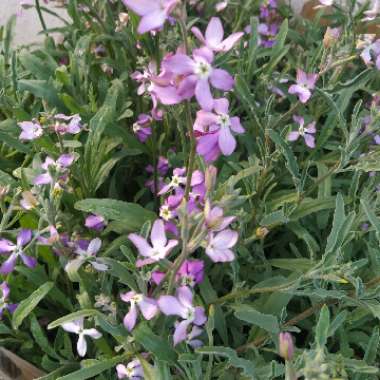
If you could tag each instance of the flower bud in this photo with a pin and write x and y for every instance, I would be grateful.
(261, 232)
(4, 190)
(286, 346)
(210, 177)
(331, 37)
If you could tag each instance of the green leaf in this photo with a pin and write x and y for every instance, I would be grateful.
(41, 89)
(311, 206)
(119, 270)
(40, 338)
(13, 142)
(246, 365)
(6, 179)
(322, 329)
(291, 161)
(131, 214)
(93, 370)
(27, 305)
(154, 344)
(70, 317)
(251, 315)
(374, 220)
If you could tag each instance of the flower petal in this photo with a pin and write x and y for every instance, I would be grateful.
(227, 142)
(293, 136)
(230, 41)
(200, 316)
(214, 32)
(6, 246)
(94, 246)
(9, 264)
(142, 7)
(24, 237)
(73, 326)
(221, 106)
(29, 261)
(180, 332)
(141, 244)
(130, 318)
(81, 346)
(225, 239)
(179, 64)
(148, 308)
(157, 235)
(93, 333)
(222, 80)
(203, 95)
(151, 21)
(309, 140)
(170, 305)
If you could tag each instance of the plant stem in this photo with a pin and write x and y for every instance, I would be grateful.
(189, 173)
(40, 16)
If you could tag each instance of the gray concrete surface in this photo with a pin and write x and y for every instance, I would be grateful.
(28, 24)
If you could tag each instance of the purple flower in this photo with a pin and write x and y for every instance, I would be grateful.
(219, 245)
(76, 327)
(62, 163)
(147, 306)
(159, 248)
(15, 251)
(30, 130)
(219, 123)
(95, 222)
(307, 133)
(213, 38)
(191, 272)
(192, 335)
(87, 255)
(73, 127)
(178, 179)
(182, 305)
(162, 166)
(133, 370)
(371, 54)
(286, 346)
(305, 83)
(215, 219)
(142, 127)
(198, 73)
(4, 294)
(154, 12)
(373, 12)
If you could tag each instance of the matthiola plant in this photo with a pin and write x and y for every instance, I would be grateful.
(190, 190)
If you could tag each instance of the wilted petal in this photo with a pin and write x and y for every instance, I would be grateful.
(222, 80)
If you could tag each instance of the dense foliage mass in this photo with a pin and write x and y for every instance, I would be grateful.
(189, 190)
